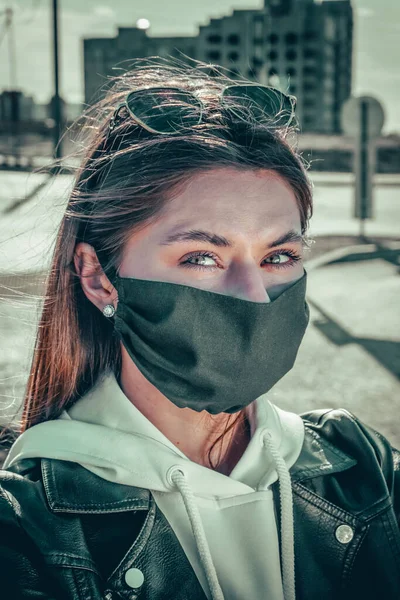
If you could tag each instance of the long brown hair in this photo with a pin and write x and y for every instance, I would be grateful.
(124, 181)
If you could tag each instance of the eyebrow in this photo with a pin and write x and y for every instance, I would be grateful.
(199, 235)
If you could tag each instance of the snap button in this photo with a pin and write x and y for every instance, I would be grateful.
(344, 534)
(134, 578)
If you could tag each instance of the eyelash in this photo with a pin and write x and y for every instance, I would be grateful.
(290, 263)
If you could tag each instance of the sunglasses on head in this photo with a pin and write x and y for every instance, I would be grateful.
(169, 110)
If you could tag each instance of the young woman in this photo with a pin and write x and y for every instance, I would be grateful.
(150, 463)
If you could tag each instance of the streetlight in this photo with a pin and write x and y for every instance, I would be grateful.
(57, 108)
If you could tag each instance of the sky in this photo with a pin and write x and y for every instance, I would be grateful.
(376, 58)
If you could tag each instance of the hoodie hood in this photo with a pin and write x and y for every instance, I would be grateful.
(105, 433)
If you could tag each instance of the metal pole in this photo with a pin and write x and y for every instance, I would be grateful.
(15, 107)
(11, 49)
(365, 171)
(56, 101)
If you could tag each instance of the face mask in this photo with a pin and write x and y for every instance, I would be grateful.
(208, 351)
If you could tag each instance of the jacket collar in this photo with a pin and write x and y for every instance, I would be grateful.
(319, 457)
(69, 487)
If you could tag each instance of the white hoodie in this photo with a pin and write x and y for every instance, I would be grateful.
(225, 524)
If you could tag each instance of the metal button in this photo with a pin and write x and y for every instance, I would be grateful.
(134, 578)
(344, 534)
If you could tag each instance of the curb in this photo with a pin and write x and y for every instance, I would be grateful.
(354, 253)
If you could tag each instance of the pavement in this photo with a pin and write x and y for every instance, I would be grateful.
(350, 354)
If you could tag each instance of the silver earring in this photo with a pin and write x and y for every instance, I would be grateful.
(109, 310)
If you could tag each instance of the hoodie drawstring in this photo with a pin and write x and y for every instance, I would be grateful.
(287, 535)
(177, 477)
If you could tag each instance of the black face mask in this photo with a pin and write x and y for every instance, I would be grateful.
(209, 351)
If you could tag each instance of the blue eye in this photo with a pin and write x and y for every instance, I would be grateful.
(294, 258)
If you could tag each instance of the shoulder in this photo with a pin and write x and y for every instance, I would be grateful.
(351, 435)
(18, 490)
(20, 562)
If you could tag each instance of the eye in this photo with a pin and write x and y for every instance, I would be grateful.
(276, 263)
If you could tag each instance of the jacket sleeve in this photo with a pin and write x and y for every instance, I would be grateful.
(389, 459)
(19, 563)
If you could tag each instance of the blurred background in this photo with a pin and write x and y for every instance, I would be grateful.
(340, 58)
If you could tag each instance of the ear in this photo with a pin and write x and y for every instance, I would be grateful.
(95, 283)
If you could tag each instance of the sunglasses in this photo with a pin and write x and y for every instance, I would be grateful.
(169, 110)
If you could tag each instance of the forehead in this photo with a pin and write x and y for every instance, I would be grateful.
(235, 204)
(230, 194)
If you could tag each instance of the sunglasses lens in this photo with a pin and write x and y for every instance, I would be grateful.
(264, 102)
(164, 110)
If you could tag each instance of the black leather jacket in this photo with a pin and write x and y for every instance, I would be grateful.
(67, 534)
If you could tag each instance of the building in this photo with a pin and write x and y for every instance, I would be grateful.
(108, 57)
(310, 49)
(236, 42)
(228, 42)
(18, 107)
(15, 106)
(304, 47)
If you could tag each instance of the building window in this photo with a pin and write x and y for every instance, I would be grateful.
(273, 71)
(291, 72)
(213, 72)
(233, 56)
(291, 38)
(257, 62)
(309, 103)
(310, 36)
(214, 38)
(310, 86)
(273, 55)
(309, 70)
(308, 120)
(250, 73)
(291, 55)
(233, 39)
(273, 38)
(213, 55)
(310, 53)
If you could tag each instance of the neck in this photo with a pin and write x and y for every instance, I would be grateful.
(192, 432)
